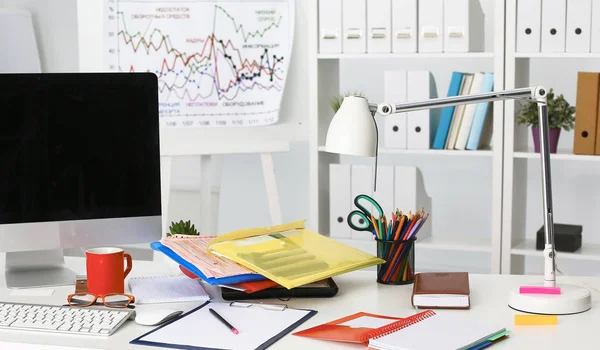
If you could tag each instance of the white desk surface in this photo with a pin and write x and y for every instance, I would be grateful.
(358, 291)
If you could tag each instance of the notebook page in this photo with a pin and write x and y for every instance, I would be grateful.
(450, 333)
(147, 290)
(255, 324)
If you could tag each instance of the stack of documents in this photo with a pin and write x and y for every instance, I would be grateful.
(288, 255)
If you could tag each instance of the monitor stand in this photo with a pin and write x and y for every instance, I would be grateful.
(37, 268)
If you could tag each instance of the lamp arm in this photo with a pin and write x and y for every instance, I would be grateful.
(535, 93)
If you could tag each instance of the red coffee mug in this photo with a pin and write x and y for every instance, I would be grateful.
(106, 270)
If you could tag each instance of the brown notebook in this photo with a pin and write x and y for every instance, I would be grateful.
(441, 290)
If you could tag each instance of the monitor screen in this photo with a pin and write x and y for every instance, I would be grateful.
(78, 146)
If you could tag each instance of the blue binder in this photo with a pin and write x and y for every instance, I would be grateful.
(249, 277)
(443, 129)
(480, 114)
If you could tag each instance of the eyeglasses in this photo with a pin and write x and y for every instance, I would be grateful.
(109, 300)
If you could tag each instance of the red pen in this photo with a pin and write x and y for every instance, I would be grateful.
(233, 329)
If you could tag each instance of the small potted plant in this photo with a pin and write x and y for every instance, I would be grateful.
(560, 115)
(182, 228)
(336, 101)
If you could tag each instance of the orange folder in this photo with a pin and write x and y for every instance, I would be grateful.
(352, 329)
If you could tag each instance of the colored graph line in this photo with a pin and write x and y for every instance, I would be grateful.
(204, 64)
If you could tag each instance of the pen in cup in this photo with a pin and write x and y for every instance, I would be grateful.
(233, 329)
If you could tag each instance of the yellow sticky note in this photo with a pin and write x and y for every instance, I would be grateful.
(535, 320)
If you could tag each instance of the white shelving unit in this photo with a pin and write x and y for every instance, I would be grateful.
(575, 186)
(327, 70)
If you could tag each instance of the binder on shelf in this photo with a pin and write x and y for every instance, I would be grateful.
(595, 32)
(584, 139)
(362, 183)
(529, 24)
(379, 26)
(463, 26)
(431, 24)
(404, 26)
(340, 202)
(354, 21)
(481, 129)
(418, 123)
(384, 194)
(330, 26)
(394, 134)
(459, 111)
(579, 17)
(446, 119)
(469, 113)
(554, 20)
(410, 194)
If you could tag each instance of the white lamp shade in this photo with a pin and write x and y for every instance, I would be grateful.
(352, 130)
(18, 43)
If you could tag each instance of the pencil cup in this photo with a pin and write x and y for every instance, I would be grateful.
(399, 266)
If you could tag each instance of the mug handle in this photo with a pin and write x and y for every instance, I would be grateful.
(129, 264)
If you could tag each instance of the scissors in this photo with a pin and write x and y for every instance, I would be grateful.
(360, 220)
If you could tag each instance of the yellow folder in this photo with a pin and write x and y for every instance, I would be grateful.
(289, 254)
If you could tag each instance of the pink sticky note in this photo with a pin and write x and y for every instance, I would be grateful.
(539, 290)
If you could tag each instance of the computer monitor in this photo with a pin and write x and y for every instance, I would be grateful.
(79, 167)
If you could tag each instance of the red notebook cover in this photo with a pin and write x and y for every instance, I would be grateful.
(356, 328)
(247, 287)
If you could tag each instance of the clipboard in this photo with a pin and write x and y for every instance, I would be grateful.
(271, 321)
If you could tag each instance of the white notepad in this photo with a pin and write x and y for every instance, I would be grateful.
(166, 289)
(259, 326)
(440, 331)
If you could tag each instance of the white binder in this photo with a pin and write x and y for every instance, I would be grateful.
(595, 47)
(579, 26)
(417, 122)
(379, 26)
(431, 24)
(410, 195)
(362, 183)
(404, 26)
(354, 20)
(330, 26)
(384, 193)
(529, 24)
(554, 20)
(340, 203)
(394, 125)
(463, 26)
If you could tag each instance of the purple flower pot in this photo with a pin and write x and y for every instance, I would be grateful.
(554, 135)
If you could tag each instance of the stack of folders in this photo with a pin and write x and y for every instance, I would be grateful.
(286, 255)
(469, 126)
(587, 123)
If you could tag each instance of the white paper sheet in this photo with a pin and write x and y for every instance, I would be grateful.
(255, 324)
(368, 322)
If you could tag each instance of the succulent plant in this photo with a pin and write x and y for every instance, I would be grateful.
(182, 228)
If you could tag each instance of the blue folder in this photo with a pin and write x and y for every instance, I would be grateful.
(443, 128)
(249, 277)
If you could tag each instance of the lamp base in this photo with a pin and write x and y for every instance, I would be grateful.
(572, 300)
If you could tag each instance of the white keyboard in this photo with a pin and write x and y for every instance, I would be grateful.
(61, 319)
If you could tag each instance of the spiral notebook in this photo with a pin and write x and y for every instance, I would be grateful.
(428, 330)
(166, 289)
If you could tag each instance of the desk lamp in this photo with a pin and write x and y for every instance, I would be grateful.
(353, 131)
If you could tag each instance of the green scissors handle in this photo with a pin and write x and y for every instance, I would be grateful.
(360, 220)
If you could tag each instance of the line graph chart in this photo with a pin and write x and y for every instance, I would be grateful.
(219, 63)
